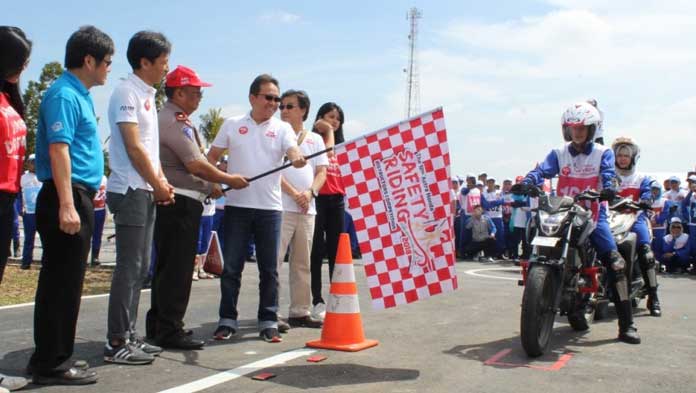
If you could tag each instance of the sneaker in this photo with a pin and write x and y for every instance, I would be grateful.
(126, 354)
(73, 376)
(195, 275)
(139, 343)
(283, 326)
(319, 312)
(12, 383)
(270, 335)
(224, 333)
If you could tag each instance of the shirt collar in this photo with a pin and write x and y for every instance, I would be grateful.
(586, 151)
(75, 82)
(173, 106)
(139, 83)
(252, 121)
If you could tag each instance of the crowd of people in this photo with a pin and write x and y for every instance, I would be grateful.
(160, 180)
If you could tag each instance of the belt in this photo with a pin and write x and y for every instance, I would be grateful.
(197, 195)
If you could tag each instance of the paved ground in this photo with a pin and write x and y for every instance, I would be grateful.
(442, 344)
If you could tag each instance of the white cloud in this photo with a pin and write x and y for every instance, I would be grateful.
(279, 17)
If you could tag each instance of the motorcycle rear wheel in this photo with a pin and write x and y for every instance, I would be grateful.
(538, 314)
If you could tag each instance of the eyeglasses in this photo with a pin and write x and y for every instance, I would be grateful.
(269, 97)
(288, 107)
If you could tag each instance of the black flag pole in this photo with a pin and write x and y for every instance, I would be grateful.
(280, 168)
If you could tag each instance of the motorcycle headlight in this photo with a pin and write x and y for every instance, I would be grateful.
(551, 223)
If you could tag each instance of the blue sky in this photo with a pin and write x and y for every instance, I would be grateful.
(504, 71)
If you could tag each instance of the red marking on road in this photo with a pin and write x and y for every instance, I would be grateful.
(495, 361)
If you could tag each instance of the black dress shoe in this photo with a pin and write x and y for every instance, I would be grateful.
(182, 342)
(72, 376)
(306, 321)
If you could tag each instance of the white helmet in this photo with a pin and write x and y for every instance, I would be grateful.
(580, 114)
(623, 142)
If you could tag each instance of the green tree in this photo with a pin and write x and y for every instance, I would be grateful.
(160, 97)
(211, 123)
(32, 99)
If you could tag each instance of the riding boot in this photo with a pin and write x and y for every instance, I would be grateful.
(654, 303)
(628, 332)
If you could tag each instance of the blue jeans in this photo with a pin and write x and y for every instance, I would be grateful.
(240, 224)
(29, 220)
(204, 234)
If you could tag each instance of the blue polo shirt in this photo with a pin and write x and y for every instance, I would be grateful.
(66, 115)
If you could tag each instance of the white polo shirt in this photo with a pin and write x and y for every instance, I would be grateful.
(133, 101)
(302, 178)
(254, 149)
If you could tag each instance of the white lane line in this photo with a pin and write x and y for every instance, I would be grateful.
(226, 376)
(83, 298)
(475, 272)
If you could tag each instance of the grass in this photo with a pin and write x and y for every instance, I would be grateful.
(19, 286)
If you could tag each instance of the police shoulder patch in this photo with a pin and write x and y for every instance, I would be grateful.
(188, 131)
(181, 116)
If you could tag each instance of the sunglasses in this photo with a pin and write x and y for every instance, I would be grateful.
(288, 107)
(269, 97)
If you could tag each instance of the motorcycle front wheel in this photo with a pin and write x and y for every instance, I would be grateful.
(538, 314)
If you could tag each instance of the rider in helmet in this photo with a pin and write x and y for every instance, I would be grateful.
(599, 132)
(638, 187)
(582, 164)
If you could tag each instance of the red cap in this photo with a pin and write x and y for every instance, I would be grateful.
(184, 76)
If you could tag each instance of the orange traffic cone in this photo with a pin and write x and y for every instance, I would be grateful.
(343, 329)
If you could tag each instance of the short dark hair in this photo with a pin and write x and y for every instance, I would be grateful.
(15, 49)
(147, 44)
(169, 91)
(262, 79)
(302, 100)
(88, 40)
(328, 107)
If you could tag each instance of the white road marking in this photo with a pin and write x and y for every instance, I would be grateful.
(83, 298)
(475, 272)
(225, 376)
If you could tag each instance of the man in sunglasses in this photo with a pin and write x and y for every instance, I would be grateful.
(256, 142)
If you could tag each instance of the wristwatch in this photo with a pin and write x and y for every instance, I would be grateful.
(314, 193)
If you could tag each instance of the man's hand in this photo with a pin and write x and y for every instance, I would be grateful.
(217, 192)
(299, 162)
(303, 200)
(68, 219)
(237, 182)
(668, 255)
(163, 192)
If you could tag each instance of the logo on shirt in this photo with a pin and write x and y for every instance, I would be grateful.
(243, 130)
(57, 126)
(147, 105)
(126, 108)
(188, 131)
(565, 171)
(271, 134)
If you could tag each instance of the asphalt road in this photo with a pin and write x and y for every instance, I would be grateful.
(465, 341)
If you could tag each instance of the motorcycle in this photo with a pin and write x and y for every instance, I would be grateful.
(563, 274)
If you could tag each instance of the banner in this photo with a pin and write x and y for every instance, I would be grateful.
(398, 190)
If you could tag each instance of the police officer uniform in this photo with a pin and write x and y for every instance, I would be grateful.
(177, 225)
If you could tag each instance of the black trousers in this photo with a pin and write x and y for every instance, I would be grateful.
(176, 240)
(327, 228)
(6, 215)
(488, 247)
(60, 281)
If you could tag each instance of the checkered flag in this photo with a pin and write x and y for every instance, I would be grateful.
(397, 183)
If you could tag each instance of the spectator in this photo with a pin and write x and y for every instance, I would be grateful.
(469, 196)
(218, 218)
(206, 227)
(674, 193)
(70, 163)
(482, 235)
(657, 220)
(30, 190)
(676, 252)
(256, 142)
(15, 49)
(300, 187)
(330, 204)
(688, 209)
(492, 203)
(518, 223)
(177, 225)
(99, 203)
(506, 194)
(136, 182)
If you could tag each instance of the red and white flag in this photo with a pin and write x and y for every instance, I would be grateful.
(397, 183)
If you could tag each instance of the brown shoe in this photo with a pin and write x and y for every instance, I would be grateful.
(305, 321)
